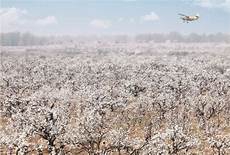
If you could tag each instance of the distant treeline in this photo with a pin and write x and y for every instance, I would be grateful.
(22, 39)
(177, 37)
(28, 39)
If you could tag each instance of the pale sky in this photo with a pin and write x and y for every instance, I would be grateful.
(84, 17)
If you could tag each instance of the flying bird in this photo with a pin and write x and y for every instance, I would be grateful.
(187, 18)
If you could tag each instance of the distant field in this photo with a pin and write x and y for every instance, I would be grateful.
(106, 98)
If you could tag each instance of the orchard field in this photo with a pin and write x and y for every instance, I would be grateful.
(104, 98)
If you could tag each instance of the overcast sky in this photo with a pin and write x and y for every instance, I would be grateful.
(113, 16)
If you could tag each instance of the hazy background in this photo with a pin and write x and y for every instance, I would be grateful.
(26, 22)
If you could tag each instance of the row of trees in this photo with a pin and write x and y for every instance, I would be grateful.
(27, 39)
(177, 37)
(21, 39)
(118, 103)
